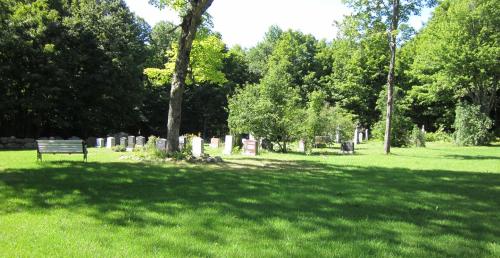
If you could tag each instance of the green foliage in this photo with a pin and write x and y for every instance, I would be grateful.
(206, 62)
(471, 126)
(119, 148)
(417, 137)
(149, 152)
(440, 135)
(455, 58)
(269, 109)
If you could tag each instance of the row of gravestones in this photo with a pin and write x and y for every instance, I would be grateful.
(129, 142)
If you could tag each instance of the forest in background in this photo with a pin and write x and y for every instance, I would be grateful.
(90, 68)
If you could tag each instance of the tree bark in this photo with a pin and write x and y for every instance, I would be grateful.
(390, 76)
(190, 22)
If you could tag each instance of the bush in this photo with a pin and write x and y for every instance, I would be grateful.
(149, 151)
(438, 136)
(119, 148)
(471, 126)
(417, 137)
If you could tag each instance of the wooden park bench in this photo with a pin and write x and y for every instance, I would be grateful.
(61, 147)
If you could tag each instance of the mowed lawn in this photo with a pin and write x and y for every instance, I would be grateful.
(439, 201)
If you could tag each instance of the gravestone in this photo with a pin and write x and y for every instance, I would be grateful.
(423, 128)
(123, 142)
(197, 147)
(110, 142)
(337, 135)
(250, 147)
(214, 143)
(360, 137)
(302, 146)
(228, 145)
(140, 140)
(182, 142)
(130, 143)
(99, 143)
(347, 147)
(161, 144)
(366, 135)
(356, 135)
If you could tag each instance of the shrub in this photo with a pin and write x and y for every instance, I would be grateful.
(417, 137)
(471, 126)
(149, 151)
(438, 136)
(119, 148)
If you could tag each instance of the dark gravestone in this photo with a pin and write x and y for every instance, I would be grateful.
(161, 144)
(140, 140)
(182, 142)
(347, 147)
(123, 142)
(91, 141)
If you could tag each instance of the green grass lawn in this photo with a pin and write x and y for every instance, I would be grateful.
(439, 201)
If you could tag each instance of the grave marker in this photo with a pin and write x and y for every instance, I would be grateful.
(250, 147)
(99, 143)
(139, 141)
(197, 147)
(214, 143)
(302, 146)
(123, 142)
(228, 145)
(130, 143)
(110, 142)
(161, 144)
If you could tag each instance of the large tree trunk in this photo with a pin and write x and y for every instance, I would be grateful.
(390, 76)
(190, 22)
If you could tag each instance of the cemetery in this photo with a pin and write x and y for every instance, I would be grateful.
(124, 133)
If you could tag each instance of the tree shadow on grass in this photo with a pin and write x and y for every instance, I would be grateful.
(348, 202)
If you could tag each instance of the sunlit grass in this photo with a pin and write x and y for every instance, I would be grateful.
(431, 202)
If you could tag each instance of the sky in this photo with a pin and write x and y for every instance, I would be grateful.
(245, 22)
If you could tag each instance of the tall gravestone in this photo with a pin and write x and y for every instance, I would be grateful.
(140, 140)
(197, 147)
(337, 135)
(250, 147)
(161, 144)
(99, 143)
(302, 146)
(110, 142)
(123, 142)
(130, 143)
(356, 136)
(214, 143)
(366, 135)
(228, 145)
(360, 137)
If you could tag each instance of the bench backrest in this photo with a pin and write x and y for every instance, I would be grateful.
(61, 146)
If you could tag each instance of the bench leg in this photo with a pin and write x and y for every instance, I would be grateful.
(38, 156)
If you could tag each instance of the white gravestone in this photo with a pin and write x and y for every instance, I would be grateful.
(366, 135)
(360, 137)
(140, 141)
(302, 146)
(110, 142)
(228, 145)
(100, 143)
(356, 136)
(182, 142)
(337, 135)
(197, 145)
